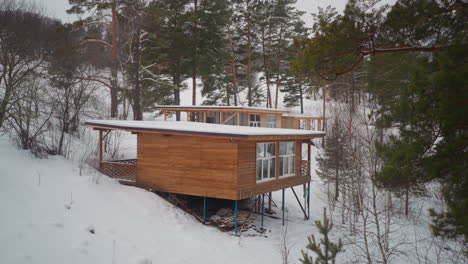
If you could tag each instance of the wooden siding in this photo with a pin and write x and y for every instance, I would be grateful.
(191, 165)
(247, 183)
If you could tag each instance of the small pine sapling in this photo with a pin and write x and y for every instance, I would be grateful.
(325, 250)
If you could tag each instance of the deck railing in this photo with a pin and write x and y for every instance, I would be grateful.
(305, 168)
(124, 170)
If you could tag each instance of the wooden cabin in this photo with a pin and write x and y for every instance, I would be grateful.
(244, 116)
(210, 160)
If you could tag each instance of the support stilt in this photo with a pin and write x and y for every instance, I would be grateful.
(299, 202)
(282, 206)
(269, 202)
(263, 209)
(204, 210)
(235, 215)
(308, 200)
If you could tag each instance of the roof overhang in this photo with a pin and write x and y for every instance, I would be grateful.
(205, 130)
(215, 108)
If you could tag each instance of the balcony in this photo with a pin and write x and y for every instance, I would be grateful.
(123, 170)
(305, 168)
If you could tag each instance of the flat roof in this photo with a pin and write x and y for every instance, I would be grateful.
(220, 107)
(304, 116)
(197, 128)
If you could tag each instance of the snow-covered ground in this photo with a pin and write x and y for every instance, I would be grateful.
(48, 211)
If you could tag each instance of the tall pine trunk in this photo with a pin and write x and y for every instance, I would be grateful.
(301, 97)
(114, 66)
(137, 111)
(278, 66)
(249, 66)
(195, 55)
(233, 69)
(265, 66)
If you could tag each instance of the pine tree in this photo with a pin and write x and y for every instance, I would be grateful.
(166, 48)
(429, 110)
(285, 19)
(97, 10)
(325, 249)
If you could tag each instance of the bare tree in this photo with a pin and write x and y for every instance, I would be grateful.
(30, 115)
(21, 40)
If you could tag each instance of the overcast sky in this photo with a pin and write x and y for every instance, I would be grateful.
(56, 8)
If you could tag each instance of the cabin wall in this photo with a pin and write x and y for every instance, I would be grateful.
(247, 162)
(287, 122)
(201, 166)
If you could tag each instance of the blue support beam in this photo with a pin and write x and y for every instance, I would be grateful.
(282, 206)
(263, 209)
(204, 210)
(308, 200)
(235, 216)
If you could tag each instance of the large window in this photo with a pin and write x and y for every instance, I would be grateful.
(266, 161)
(271, 120)
(286, 158)
(254, 120)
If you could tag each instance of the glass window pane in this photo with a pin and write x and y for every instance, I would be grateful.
(293, 165)
(271, 150)
(272, 168)
(291, 147)
(265, 169)
(281, 166)
(260, 147)
(259, 170)
(282, 148)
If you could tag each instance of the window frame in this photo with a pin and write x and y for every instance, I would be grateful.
(257, 123)
(288, 159)
(270, 123)
(271, 161)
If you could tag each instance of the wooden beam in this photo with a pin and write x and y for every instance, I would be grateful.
(100, 149)
(221, 118)
(108, 131)
(229, 118)
(298, 201)
(263, 121)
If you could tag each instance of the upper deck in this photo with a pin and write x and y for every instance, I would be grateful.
(245, 116)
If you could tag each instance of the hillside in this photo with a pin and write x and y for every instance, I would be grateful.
(50, 211)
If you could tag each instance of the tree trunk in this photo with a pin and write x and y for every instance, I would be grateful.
(114, 69)
(138, 113)
(278, 66)
(194, 63)
(323, 114)
(265, 67)
(176, 95)
(301, 97)
(233, 69)
(249, 67)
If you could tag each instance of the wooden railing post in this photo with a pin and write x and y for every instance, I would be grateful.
(100, 149)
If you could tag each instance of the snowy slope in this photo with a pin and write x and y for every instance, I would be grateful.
(48, 211)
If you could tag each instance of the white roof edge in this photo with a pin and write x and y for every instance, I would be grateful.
(221, 107)
(202, 128)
